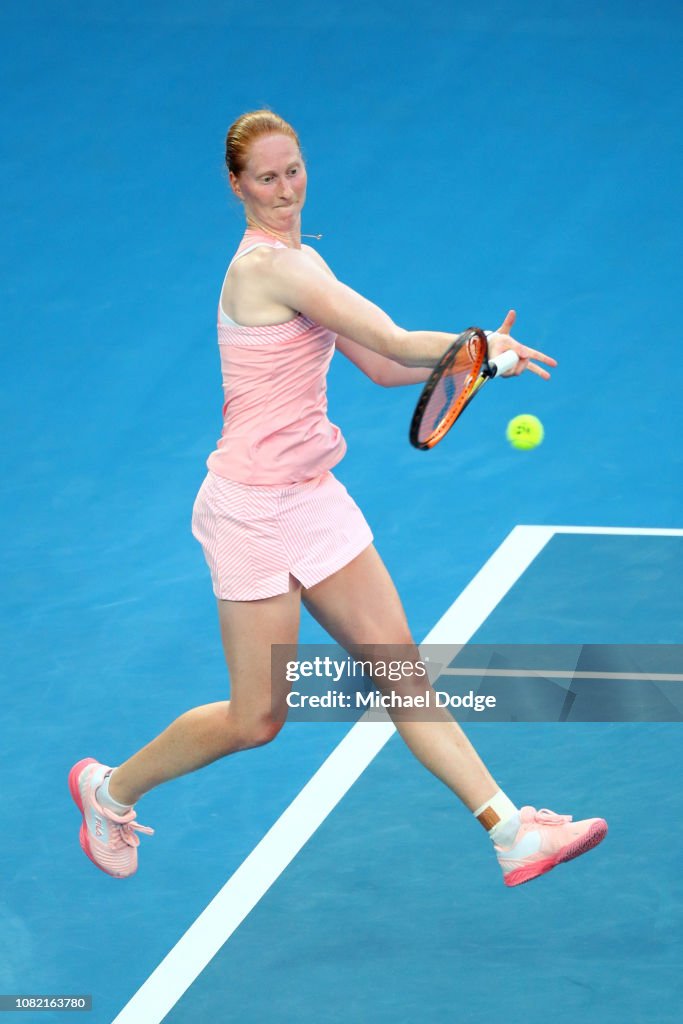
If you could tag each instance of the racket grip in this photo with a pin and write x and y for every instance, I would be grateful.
(504, 362)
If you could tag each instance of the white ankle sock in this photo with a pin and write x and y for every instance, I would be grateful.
(106, 800)
(504, 833)
(500, 818)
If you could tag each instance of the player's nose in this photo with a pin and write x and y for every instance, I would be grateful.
(287, 193)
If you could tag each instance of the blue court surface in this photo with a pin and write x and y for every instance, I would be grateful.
(462, 161)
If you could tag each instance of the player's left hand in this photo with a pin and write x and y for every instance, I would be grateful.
(501, 340)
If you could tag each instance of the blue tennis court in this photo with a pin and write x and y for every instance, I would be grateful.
(461, 162)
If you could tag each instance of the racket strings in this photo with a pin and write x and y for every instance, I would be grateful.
(442, 399)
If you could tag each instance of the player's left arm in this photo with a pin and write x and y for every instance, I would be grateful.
(380, 369)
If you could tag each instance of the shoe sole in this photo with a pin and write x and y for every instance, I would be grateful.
(83, 836)
(593, 837)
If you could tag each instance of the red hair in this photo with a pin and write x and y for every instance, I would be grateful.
(246, 129)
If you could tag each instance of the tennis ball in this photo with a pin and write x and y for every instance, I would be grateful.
(524, 431)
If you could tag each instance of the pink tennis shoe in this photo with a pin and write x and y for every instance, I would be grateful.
(109, 840)
(544, 840)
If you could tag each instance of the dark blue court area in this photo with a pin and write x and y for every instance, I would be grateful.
(462, 160)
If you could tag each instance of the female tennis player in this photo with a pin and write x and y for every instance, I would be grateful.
(278, 529)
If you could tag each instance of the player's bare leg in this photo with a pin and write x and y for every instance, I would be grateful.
(360, 608)
(204, 734)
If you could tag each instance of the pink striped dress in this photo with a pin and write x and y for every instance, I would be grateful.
(269, 507)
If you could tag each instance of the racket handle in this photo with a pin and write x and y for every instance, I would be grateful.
(504, 362)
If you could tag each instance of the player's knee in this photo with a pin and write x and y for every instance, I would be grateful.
(259, 731)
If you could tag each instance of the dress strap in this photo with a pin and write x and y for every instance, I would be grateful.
(255, 245)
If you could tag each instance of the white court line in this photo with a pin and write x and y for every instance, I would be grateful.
(618, 531)
(547, 673)
(503, 569)
(257, 873)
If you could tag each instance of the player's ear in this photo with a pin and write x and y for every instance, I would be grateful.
(235, 185)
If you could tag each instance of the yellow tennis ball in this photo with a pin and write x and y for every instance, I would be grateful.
(524, 431)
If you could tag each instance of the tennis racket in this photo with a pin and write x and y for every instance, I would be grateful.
(460, 373)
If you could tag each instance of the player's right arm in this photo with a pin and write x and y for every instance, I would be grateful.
(295, 281)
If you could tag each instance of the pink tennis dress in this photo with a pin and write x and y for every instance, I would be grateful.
(269, 506)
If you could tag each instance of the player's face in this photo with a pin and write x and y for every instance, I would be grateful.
(273, 183)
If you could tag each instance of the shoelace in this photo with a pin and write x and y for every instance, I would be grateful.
(127, 826)
(130, 828)
(546, 817)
